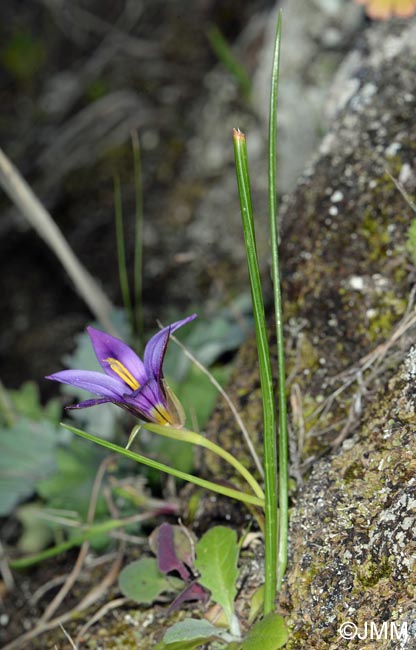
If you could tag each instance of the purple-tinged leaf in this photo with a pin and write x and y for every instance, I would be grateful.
(191, 593)
(167, 558)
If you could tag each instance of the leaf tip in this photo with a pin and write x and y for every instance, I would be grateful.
(238, 135)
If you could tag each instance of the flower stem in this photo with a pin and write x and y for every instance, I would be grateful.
(270, 478)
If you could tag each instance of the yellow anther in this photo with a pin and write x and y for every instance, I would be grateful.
(161, 415)
(123, 373)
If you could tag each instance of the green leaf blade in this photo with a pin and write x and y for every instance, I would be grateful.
(268, 634)
(216, 560)
(193, 630)
(27, 454)
(143, 582)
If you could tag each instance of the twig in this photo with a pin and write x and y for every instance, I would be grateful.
(43, 589)
(25, 200)
(5, 572)
(68, 637)
(402, 191)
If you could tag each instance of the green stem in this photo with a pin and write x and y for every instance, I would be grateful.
(270, 478)
(87, 534)
(197, 439)
(274, 238)
(190, 478)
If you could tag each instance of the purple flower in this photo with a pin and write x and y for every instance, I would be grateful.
(135, 385)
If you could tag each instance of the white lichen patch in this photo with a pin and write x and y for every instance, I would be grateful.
(337, 196)
(410, 363)
(357, 283)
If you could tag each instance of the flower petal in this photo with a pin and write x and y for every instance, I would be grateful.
(91, 402)
(94, 382)
(117, 359)
(156, 348)
(149, 403)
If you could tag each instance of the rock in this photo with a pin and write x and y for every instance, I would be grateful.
(353, 533)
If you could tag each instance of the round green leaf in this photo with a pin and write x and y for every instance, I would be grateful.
(143, 582)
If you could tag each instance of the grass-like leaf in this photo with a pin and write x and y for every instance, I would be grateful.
(138, 239)
(121, 251)
(149, 462)
(274, 242)
(270, 461)
(198, 440)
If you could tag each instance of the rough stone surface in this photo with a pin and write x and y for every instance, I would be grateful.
(353, 534)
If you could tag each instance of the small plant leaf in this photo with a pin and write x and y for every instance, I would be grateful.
(411, 240)
(216, 560)
(26, 401)
(180, 645)
(268, 634)
(193, 629)
(142, 581)
(37, 533)
(256, 604)
(167, 557)
(27, 454)
(69, 486)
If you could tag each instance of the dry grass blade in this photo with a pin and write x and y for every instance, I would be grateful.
(75, 647)
(25, 200)
(108, 607)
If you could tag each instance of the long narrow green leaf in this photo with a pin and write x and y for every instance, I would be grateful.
(274, 239)
(138, 239)
(270, 474)
(190, 478)
(121, 251)
(197, 439)
(225, 54)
